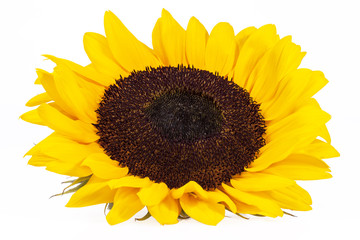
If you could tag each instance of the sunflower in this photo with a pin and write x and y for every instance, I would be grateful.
(200, 124)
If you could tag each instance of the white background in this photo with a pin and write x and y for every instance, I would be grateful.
(327, 30)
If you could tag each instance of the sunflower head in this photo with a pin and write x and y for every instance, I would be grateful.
(200, 124)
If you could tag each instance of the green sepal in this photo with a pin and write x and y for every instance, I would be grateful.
(147, 215)
(79, 182)
(183, 215)
(108, 206)
(289, 214)
(238, 214)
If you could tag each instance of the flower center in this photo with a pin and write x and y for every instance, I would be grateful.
(184, 116)
(180, 124)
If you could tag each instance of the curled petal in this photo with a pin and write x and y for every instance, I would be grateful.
(190, 187)
(167, 211)
(201, 210)
(153, 194)
(126, 204)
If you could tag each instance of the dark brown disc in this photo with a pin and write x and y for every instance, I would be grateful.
(180, 124)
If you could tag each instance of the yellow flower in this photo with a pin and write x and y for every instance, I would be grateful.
(200, 124)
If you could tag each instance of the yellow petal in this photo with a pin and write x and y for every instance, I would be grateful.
(243, 35)
(66, 169)
(291, 133)
(60, 167)
(300, 193)
(218, 196)
(240, 39)
(289, 201)
(98, 51)
(252, 50)
(62, 148)
(190, 187)
(321, 150)
(324, 133)
(96, 191)
(268, 206)
(40, 160)
(81, 96)
(62, 155)
(129, 52)
(168, 40)
(57, 107)
(48, 82)
(104, 167)
(249, 209)
(167, 211)
(38, 99)
(316, 82)
(300, 167)
(153, 194)
(294, 198)
(259, 182)
(86, 72)
(308, 114)
(74, 129)
(289, 91)
(295, 88)
(32, 117)
(126, 205)
(221, 49)
(39, 75)
(196, 39)
(129, 181)
(201, 210)
(282, 59)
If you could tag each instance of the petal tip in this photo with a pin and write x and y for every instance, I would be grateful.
(165, 13)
